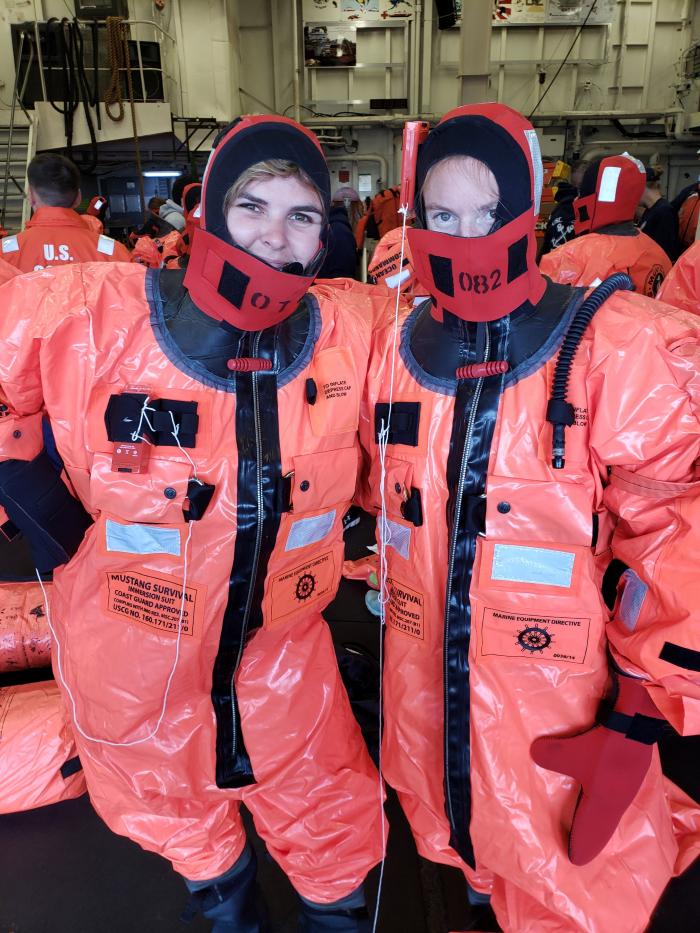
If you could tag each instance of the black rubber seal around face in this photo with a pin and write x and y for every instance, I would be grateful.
(161, 299)
(482, 139)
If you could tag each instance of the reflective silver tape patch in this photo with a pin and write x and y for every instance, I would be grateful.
(536, 156)
(105, 245)
(396, 536)
(309, 530)
(142, 539)
(633, 596)
(532, 565)
(392, 281)
(9, 244)
(608, 183)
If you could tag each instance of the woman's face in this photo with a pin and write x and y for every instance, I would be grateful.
(278, 220)
(460, 197)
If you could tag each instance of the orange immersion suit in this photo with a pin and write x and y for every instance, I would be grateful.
(681, 288)
(38, 757)
(540, 467)
(537, 654)
(688, 219)
(145, 664)
(55, 236)
(155, 252)
(39, 762)
(24, 633)
(384, 267)
(589, 259)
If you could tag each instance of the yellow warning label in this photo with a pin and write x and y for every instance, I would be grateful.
(404, 609)
(155, 601)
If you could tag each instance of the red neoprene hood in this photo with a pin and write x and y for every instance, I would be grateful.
(228, 282)
(97, 206)
(191, 196)
(483, 278)
(610, 192)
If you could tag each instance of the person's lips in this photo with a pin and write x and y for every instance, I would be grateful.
(275, 263)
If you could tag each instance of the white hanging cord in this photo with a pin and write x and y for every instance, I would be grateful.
(384, 539)
(59, 661)
(136, 435)
(175, 431)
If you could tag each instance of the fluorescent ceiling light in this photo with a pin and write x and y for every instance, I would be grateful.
(163, 173)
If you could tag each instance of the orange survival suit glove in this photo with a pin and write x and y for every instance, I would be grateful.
(610, 760)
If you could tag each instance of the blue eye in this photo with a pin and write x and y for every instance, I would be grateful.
(303, 218)
(443, 217)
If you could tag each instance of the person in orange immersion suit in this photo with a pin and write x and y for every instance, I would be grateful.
(681, 288)
(56, 234)
(96, 212)
(388, 267)
(530, 460)
(208, 422)
(604, 211)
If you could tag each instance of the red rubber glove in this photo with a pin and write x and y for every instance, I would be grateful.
(610, 761)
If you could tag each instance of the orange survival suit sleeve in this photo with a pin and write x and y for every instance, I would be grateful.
(681, 287)
(561, 265)
(655, 502)
(31, 491)
(34, 306)
(21, 393)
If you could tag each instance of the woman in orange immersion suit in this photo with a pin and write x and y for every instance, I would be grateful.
(542, 507)
(207, 421)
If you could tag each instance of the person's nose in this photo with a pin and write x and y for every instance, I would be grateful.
(274, 234)
(470, 225)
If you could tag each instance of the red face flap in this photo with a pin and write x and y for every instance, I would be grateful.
(584, 209)
(482, 278)
(233, 286)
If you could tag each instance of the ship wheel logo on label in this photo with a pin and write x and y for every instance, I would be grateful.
(306, 584)
(533, 638)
